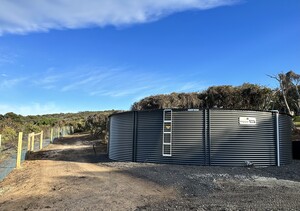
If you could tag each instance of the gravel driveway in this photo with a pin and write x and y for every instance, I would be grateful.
(75, 173)
(220, 188)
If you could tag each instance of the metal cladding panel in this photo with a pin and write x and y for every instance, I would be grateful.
(285, 139)
(232, 143)
(188, 138)
(121, 137)
(205, 137)
(149, 136)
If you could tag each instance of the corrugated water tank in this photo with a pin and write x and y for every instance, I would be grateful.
(201, 137)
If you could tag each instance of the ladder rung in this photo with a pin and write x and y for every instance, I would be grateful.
(167, 155)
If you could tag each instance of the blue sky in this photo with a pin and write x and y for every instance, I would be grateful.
(69, 56)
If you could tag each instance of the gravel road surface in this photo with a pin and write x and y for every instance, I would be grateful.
(74, 173)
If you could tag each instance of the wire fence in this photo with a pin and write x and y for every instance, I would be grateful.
(12, 155)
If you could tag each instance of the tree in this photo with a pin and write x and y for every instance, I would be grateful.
(97, 124)
(246, 96)
(294, 80)
(254, 97)
(289, 82)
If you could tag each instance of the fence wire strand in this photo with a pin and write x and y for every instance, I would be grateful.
(8, 151)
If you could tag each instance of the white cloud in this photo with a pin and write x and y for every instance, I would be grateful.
(6, 57)
(47, 82)
(188, 86)
(97, 83)
(117, 82)
(34, 15)
(88, 80)
(121, 92)
(10, 83)
(32, 109)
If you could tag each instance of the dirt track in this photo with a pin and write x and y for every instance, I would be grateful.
(68, 175)
(61, 178)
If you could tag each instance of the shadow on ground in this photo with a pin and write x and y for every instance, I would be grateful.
(80, 148)
(77, 139)
(194, 188)
(85, 155)
(126, 184)
(83, 148)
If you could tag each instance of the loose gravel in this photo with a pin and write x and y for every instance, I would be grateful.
(75, 173)
(220, 188)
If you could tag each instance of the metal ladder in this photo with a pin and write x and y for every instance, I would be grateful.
(167, 133)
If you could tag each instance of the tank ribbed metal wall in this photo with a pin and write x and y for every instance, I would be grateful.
(121, 137)
(149, 136)
(232, 143)
(285, 138)
(205, 137)
(187, 141)
(188, 137)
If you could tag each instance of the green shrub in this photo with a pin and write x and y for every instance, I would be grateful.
(9, 135)
(296, 119)
(29, 128)
(297, 124)
(97, 125)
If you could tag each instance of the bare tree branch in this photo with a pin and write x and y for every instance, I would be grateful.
(283, 84)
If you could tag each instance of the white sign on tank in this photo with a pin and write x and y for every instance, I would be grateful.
(247, 121)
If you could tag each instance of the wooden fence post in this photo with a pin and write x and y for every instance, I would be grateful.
(28, 141)
(41, 140)
(32, 141)
(19, 152)
(51, 135)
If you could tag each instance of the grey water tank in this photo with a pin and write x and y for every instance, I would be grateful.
(201, 137)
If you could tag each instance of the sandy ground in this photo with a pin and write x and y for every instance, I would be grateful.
(64, 176)
(73, 175)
